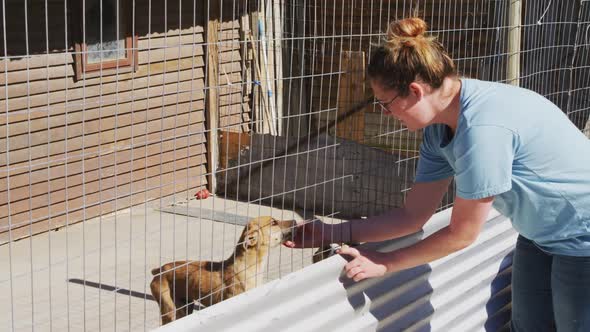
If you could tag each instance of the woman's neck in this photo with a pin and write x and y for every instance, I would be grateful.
(447, 102)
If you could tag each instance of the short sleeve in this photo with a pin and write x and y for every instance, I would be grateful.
(484, 158)
(432, 165)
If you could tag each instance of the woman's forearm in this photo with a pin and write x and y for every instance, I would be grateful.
(467, 220)
(437, 245)
(392, 224)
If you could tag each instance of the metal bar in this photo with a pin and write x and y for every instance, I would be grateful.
(513, 70)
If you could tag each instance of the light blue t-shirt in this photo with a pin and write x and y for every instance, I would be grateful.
(514, 144)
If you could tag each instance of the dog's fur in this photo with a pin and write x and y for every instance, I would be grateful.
(178, 284)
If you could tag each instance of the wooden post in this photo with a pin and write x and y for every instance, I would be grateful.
(514, 33)
(212, 95)
(296, 119)
(247, 72)
(277, 47)
(257, 111)
(350, 92)
(265, 77)
(264, 121)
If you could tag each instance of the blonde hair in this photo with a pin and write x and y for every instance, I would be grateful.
(407, 54)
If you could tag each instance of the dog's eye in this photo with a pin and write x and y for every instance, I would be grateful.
(274, 222)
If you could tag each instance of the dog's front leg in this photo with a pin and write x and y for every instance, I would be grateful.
(161, 293)
(183, 308)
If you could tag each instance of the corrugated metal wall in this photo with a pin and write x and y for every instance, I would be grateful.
(426, 298)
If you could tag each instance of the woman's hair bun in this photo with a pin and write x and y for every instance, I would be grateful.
(409, 27)
(402, 32)
(409, 53)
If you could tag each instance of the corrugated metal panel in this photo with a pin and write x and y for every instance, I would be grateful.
(469, 290)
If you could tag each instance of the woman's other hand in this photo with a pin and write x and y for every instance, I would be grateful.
(363, 264)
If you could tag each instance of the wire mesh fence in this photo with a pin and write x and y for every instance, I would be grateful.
(137, 133)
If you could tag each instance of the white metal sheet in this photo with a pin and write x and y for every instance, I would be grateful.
(468, 290)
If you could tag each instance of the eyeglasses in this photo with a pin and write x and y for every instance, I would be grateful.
(386, 105)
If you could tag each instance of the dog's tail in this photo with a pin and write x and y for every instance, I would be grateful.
(161, 269)
(167, 267)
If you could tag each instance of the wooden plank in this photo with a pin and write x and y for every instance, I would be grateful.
(264, 111)
(108, 166)
(62, 76)
(265, 61)
(66, 58)
(250, 35)
(123, 124)
(101, 94)
(237, 122)
(169, 53)
(81, 214)
(514, 35)
(109, 84)
(149, 94)
(277, 54)
(89, 128)
(35, 121)
(211, 111)
(19, 160)
(100, 142)
(58, 124)
(231, 75)
(37, 60)
(231, 109)
(170, 40)
(158, 74)
(82, 113)
(76, 164)
(246, 53)
(351, 92)
(111, 91)
(95, 181)
(80, 192)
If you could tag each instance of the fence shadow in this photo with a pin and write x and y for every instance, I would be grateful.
(111, 288)
(498, 307)
(403, 300)
(407, 307)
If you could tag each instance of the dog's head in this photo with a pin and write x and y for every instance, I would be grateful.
(267, 231)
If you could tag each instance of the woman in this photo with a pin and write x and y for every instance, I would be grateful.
(506, 147)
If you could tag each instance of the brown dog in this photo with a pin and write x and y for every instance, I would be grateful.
(177, 285)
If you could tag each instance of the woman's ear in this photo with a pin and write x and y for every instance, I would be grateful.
(417, 90)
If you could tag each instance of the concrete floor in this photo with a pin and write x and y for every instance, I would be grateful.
(94, 276)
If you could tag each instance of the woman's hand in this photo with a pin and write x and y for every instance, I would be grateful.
(364, 264)
(309, 234)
